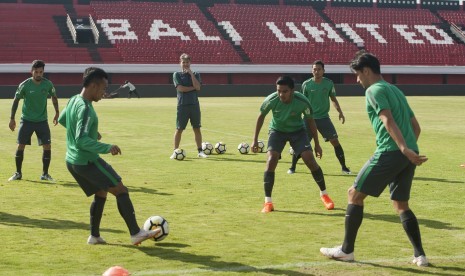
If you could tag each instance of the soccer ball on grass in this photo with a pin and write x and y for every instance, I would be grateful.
(155, 222)
(220, 147)
(179, 154)
(243, 148)
(207, 148)
(261, 146)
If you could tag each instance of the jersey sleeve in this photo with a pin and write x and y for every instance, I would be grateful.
(83, 140)
(197, 76)
(20, 91)
(332, 90)
(265, 107)
(51, 90)
(376, 97)
(308, 111)
(176, 80)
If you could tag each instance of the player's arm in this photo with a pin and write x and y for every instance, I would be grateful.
(83, 139)
(57, 111)
(195, 82)
(311, 126)
(14, 107)
(415, 126)
(385, 116)
(338, 108)
(258, 127)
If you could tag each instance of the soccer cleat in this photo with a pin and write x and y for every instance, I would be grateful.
(95, 240)
(291, 171)
(202, 154)
(337, 254)
(329, 204)
(173, 156)
(46, 177)
(267, 207)
(346, 170)
(420, 260)
(144, 235)
(15, 176)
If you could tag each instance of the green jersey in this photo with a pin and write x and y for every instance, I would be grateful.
(185, 79)
(318, 94)
(35, 99)
(287, 117)
(81, 123)
(383, 95)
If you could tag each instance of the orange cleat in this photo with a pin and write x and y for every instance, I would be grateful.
(268, 207)
(329, 204)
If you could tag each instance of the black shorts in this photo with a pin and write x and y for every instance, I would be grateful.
(94, 177)
(325, 128)
(386, 168)
(27, 128)
(299, 141)
(186, 113)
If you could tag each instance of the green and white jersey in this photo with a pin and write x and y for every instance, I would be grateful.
(81, 123)
(35, 99)
(318, 94)
(287, 117)
(383, 95)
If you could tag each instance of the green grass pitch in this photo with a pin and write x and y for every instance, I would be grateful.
(213, 205)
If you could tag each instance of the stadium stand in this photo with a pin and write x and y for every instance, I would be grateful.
(238, 32)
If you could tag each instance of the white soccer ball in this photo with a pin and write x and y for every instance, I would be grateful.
(207, 148)
(291, 151)
(179, 154)
(261, 146)
(243, 148)
(220, 147)
(155, 222)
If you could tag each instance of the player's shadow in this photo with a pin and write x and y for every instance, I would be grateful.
(229, 159)
(442, 180)
(435, 224)
(48, 223)
(170, 251)
(421, 271)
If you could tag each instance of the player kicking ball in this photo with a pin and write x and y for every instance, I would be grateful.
(92, 173)
(287, 125)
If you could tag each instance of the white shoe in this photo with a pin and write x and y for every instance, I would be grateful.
(15, 176)
(47, 177)
(337, 254)
(290, 171)
(95, 240)
(346, 170)
(420, 260)
(202, 154)
(173, 156)
(144, 235)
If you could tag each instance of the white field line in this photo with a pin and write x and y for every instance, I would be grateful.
(287, 266)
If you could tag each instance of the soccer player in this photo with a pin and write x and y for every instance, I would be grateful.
(287, 125)
(132, 89)
(319, 90)
(393, 163)
(187, 83)
(92, 173)
(35, 91)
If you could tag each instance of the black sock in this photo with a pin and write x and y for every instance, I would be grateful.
(199, 149)
(319, 178)
(340, 155)
(268, 180)
(19, 160)
(410, 224)
(46, 158)
(126, 210)
(96, 212)
(295, 158)
(354, 217)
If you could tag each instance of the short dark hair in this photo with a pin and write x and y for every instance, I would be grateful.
(364, 59)
(319, 62)
(285, 80)
(93, 74)
(38, 64)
